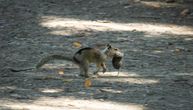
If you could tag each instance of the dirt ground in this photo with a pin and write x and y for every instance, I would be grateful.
(156, 37)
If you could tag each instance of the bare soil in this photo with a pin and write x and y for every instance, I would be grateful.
(156, 37)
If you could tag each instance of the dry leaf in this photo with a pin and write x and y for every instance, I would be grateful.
(177, 50)
(87, 83)
(61, 72)
(77, 44)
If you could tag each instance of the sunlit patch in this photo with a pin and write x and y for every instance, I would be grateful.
(126, 77)
(121, 74)
(188, 39)
(61, 32)
(58, 24)
(158, 51)
(152, 4)
(111, 90)
(153, 34)
(158, 4)
(65, 103)
(7, 87)
(51, 90)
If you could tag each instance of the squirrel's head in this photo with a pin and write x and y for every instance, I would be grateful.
(112, 51)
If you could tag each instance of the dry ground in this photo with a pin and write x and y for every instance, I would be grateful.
(156, 37)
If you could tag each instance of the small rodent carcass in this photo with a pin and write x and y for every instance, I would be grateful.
(117, 62)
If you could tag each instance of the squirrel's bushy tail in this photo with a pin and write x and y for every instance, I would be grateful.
(52, 57)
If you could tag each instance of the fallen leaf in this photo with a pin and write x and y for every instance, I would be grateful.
(61, 72)
(177, 50)
(87, 83)
(77, 44)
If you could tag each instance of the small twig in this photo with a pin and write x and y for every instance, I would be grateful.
(152, 55)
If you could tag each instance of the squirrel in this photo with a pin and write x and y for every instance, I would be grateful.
(83, 58)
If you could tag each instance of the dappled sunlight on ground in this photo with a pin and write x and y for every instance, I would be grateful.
(65, 103)
(128, 77)
(158, 4)
(65, 26)
(47, 90)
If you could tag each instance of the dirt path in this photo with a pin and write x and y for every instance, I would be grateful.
(156, 37)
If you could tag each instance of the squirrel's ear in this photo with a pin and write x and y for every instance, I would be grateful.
(109, 46)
